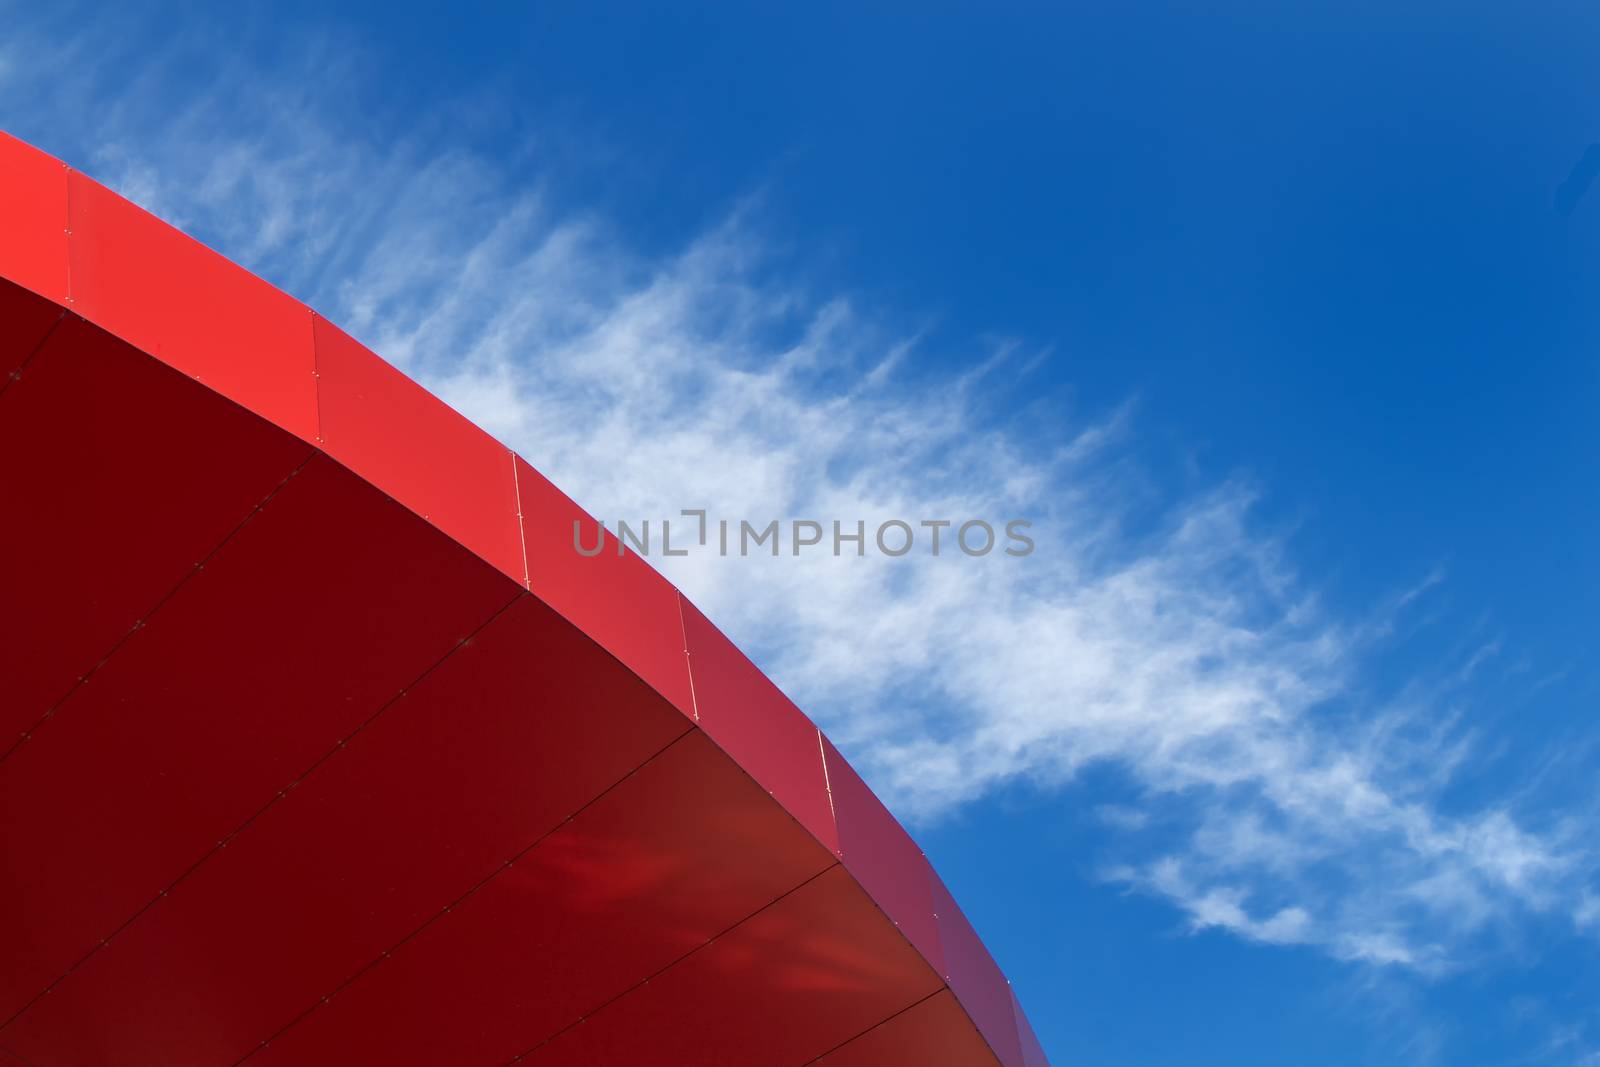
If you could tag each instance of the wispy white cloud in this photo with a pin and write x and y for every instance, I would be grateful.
(1275, 794)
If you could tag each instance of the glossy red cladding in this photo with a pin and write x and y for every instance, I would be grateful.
(33, 218)
(746, 714)
(883, 858)
(28, 321)
(397, 435)
(977, 981)
(636, 881)
(321, 609)
(616, 598)
(123, 476)
(1032, 1052)
(328, 739)
(512, 734)
(176, 299)
(934, 1032)
(809, 972)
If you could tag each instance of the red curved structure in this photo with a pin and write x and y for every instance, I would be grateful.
(322, 746)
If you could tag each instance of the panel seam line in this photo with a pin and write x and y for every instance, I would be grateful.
(144, 619)
(33, 353)
(242, 827)
(458, 901)
(886, 1020)
(647, 979)
(522, 530)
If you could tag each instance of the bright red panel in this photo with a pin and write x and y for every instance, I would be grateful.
(413, 446)
(616, 599)
(176, 299)
(321, 609)
(505, 739)
(883, 857)
(128, 475)
(806, 974)
(680, 851)
(933, 1033)
(33, 217)
(756, 724)
(25, 319)
(977, 981)
(1032, 1052)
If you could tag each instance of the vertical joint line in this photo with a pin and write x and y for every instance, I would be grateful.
(316, 379)
(688, 660)
(522, 528)
(66, 229)
(827, 782)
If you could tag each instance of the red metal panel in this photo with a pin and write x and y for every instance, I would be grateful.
(210, 692)
(932, 1033)
(882, 857)
(507, 738)
(321, 609)
(33, 217)
(121, 476)
(680, 851)
(1032, 1052)
(977, 981)
(27, 318)
(400, 437)
(758, 726)
(190, 308)
(616, 599)
(803, 976)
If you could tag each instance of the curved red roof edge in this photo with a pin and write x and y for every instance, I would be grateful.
(97, 255)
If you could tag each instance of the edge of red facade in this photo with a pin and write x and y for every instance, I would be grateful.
(99, 257)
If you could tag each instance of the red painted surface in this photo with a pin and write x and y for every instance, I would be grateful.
(172, 297)
(323, 745)
(757, 725)
(935, 1032)
(135, 476)
(33, 217)
(614, 597)
(294, 633)
(1032, 1052)
(974, 977)
(810, 971)
(28, 321)
(388, 429)
(636, 881)
(883, 858)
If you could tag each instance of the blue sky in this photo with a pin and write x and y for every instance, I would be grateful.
(1281, 746)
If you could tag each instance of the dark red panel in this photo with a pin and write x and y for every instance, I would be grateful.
(1032, 1052)
(256, 747)
(25, 319)
(410, 444)
(127, 474)
(933, 1033)
(882, 856)
(818, 967)
(321, 609)
(618, 600)
(505, 739)
(756, 724)
(977, 981)
(33, 217)
(637, 880)
(176, 299)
